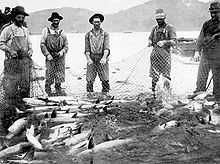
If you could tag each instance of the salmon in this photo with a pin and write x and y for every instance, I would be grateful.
(105, 146)
(34, 101)
(63, 120)
(77, 138)
(168, 124)
(30, 137)
(17, 127)
(30, 162)
(201, 96)
(63, 131)
(13, 150)
(83, 145)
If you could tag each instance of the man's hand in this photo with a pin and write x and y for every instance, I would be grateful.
(215, 36)
(103, 61)
(30, 53)
(89, 61)
(13, 53)
(196, 56)
(60, 54)
(49, 57)
(161, 43)
(149, 43)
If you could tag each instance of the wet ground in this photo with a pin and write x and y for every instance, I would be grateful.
(192, 139)
(160, 133)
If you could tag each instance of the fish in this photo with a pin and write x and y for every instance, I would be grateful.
(201, 96)
(30, 162)
(168, 125)
(63, 132)
(15, 149)
(63, 120)
(87, 106)
(83, 145)
(71, 108)
(33, 101)
(194, 106)
(72, 125)
(214, 131)
(30, 137)
(77, 138)
(105, 146)
(209, 104)
(17, 127)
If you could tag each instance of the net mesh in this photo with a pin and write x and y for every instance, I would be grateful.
(128, 77)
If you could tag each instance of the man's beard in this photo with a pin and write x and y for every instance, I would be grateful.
(19, 23)
(161, 23)
(97, 27)
(55, 25)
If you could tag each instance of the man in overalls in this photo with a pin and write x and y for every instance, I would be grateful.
(209, 41)
(15, 42)
(162, 37)
(97, 52)
(54, 46)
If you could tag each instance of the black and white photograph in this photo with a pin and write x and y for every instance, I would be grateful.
(110, 82)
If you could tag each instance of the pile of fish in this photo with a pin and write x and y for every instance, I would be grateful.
(197, 106)
(53, 122)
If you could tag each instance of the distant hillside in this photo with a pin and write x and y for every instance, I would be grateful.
(183, 14)
(75, 20)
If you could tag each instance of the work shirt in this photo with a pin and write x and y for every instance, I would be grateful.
(13, 31)
(210, 47)
(53, 31)
(96, 43)
(165, 32)
(209, 28)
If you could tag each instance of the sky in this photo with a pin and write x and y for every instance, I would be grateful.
(103, 6)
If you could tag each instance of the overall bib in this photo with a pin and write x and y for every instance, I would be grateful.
(17, 71)
(55, 68)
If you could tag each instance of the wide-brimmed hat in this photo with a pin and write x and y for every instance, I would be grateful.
(160, 14)
(55, 15)
(18, 10)
(214, 7)
(97, 15)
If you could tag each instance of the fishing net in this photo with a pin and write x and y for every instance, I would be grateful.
(130, 76)
(127, 77)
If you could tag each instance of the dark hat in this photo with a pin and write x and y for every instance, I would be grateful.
(55, 15)
(214, 6)
(7, 8)
(96, 16)
(160, 14)
(18, 10)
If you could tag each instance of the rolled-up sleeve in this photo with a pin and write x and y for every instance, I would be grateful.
(106, 41)
(29, 41)
(87, 44)
(151, 35)
(4, 37)
(200, 40)
(172, 33)
(43, 43)
(172, 37)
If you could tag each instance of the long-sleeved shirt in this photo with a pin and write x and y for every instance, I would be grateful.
(53, 31)
(8, 33)
(209, 28)
(96, 43)
(166, 32)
